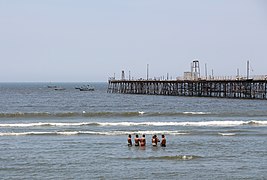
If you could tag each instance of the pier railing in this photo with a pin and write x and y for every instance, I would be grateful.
(255, 77)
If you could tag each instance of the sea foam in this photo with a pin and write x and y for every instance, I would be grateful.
(104, 133)
(227, 134)
(187, 123)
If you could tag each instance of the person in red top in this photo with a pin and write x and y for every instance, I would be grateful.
(143, 140)
(130, 140)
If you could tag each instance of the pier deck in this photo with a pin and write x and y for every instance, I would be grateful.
(245, 88)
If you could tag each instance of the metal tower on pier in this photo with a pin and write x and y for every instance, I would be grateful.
(195, 70)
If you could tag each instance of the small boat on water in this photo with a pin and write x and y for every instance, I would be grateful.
(59, 89)
(51, 86)
(86, 88)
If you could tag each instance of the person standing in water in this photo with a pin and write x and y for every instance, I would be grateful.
(155, 140)
(163, 141)
(130, 140)
(143, 140)
(136, 140)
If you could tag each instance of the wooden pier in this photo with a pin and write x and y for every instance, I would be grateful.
(237, 88)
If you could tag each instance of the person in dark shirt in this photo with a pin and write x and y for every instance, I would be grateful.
(136, 140)
(163, 141)
(130, 140)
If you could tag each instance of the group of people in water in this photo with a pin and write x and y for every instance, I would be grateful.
(142, 141)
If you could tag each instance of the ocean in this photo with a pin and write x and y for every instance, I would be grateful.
(70, 134)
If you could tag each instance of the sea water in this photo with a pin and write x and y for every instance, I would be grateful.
(69, 134)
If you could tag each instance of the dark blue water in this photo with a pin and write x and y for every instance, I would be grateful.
(69, 134)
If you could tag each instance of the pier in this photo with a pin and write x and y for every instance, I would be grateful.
(247, 89)
(194, 85)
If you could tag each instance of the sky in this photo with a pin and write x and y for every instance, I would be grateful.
(92, 40)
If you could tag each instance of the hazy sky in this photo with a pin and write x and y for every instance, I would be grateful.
(90, 40)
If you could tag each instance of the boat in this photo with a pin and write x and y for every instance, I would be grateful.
(59, 89)
(51, 86)
(86, 88)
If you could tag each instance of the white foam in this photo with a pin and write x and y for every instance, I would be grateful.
(118, 133)
(38, 133)
(24, 133)
(187, 123)
(68, 133)
(106, 133)
(201, 123)
(185, 157)
(227, 134)
(141, 112)
(196, 113)
(43, 124)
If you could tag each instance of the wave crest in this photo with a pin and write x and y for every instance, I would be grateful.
(173, 158)
(201, 123)
(104, 133)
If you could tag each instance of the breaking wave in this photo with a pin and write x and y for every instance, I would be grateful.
(201, 123)
(174, 158)
(108, 133)
(49, 124)
(178, 157)
(197, 113)
(227, 134)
